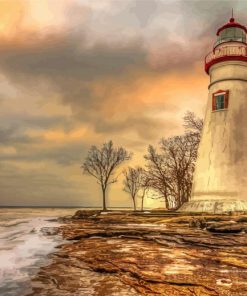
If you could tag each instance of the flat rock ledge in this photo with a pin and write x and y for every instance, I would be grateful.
(217, 206)
(151, 253)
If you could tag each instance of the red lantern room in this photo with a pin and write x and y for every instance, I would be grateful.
(230, 45)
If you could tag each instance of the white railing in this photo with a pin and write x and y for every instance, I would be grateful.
(226, 51)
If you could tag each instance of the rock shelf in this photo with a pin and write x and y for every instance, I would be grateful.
(152, 253)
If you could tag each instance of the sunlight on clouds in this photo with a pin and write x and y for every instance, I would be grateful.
(153, 92)
(74, 73)
(14, 16)
(53, 107)
(31, 17)
(59, 135)
(47, 13)
(8, 150)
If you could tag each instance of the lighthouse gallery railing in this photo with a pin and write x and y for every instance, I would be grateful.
(225, 53)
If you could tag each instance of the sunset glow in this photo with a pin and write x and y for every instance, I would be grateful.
(74, 73)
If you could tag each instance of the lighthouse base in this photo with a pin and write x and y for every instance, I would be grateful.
(219, 206)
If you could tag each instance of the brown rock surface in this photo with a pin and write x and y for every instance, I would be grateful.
(156, 253)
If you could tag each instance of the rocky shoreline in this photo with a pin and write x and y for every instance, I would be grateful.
(151, 253)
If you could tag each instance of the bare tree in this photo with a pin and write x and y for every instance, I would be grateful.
(180, 154)
(145, 185)
(193, 125)
(133, 182)
(171, 169)
(101, 163)
(158, 174)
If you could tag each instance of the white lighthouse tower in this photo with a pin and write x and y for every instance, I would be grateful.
(220, 179)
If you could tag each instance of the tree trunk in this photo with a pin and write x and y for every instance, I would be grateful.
(134, 202)
(143, 196)
(142, 203)
(104, 199)
(167, 203)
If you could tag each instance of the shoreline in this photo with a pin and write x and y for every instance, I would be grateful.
(153, 253)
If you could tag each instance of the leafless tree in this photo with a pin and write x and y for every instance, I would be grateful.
(133, 182)
(180, 154)
(101, 163)
(171, 169)
(145, 186)
(158, 174)
(193, 125)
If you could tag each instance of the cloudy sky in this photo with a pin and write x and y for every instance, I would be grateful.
(79, 72)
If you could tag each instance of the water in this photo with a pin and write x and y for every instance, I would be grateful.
(24, 247)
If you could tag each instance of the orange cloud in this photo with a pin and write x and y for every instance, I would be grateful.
(11, 15)
(83, 76)
(152, 92)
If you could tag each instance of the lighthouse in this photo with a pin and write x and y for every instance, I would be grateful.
(220, 177)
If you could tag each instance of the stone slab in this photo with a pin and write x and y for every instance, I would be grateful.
(214, 206)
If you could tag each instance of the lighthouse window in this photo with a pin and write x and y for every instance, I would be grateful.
(220, 100)
(231, 34)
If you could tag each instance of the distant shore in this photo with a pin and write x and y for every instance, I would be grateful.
(62, 207)
(153, 253)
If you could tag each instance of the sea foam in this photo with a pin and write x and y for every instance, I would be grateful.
(24, 247)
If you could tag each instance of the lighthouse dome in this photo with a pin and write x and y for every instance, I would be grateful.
(231, 31)
(231, 45)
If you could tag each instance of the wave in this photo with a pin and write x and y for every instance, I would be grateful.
(12, 223)
(24, 247)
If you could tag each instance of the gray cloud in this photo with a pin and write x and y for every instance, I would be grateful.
(70, 70)
(69, 65)
(12, 135)
(67, 57)
(146, 127)
(25, 188)
(13, 128)
(88, 67)
(64, 154)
